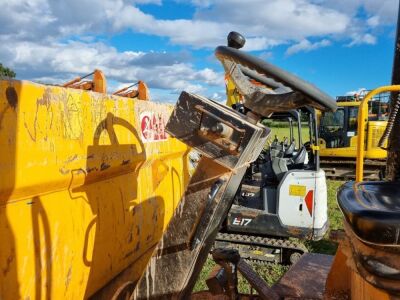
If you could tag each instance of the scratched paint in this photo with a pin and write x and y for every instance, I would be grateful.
(81, 195)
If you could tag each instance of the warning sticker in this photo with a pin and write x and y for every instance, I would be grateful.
(153, 126)
(297, 190)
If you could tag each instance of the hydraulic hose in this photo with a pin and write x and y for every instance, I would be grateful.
(391, 122)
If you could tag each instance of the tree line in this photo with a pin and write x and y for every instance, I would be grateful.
(6, 72)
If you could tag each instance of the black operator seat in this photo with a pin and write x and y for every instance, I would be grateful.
(297, 162)
(275, 142)
(285, 141)
(289, 151)
(372, 209)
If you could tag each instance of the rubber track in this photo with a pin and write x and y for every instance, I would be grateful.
(265, 242)
(346, 169)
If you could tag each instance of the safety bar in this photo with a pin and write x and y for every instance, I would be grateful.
(362, 119)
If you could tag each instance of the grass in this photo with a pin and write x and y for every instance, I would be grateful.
(272, 273)
(335, 222)
(282, 132)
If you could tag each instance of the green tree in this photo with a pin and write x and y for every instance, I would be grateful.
(6, 72)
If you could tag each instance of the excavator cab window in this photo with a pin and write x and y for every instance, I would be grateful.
(351, 124)
(378, 110)
(332, 128)
(339, 127)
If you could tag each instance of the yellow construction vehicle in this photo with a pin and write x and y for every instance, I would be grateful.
(89, 182)
(338, 137)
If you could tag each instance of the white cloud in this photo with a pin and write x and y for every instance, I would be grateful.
(373, 21)
(386, 10)
(267, 23)
(267, 55)
(359, 39)
(212, 22)
(358, 92)
(306, 46)
(260, 43)
(58, 62)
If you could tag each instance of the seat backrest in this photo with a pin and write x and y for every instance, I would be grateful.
(279, 166)
(274, 153)
(300, 157)
(289, 151)
(275, 142)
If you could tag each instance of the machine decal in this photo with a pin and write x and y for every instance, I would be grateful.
(309, 199)
(297, 190)
(248, 194)
(153, 127)
(241, 221)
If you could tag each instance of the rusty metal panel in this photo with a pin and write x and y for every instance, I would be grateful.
(88, 184)
(216, 130)
(306, 279)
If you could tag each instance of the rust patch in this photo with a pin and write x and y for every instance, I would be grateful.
(88, 170)
(64, 171)
(12, 97)
(250, 214)
(130, 238)
(71, 159)
(8, 265)
(129, 254)
(138, 230)
(137, 246)
(294, 231)
(104, 166)
(125, 162)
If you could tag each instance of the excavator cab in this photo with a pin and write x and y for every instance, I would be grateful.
(338, 133)
(283, 193)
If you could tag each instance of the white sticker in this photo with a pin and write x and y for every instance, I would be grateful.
(351, 133)
(153, 127)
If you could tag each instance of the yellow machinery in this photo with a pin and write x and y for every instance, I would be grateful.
(89, 181)
(338, 133)
(374, 130)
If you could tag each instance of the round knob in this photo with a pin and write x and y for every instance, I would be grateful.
(236, 40)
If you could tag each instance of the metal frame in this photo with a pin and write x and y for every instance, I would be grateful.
(362, 120)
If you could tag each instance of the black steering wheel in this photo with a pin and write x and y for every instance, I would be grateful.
(286, 91)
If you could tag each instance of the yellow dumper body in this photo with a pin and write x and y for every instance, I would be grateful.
(88, 183)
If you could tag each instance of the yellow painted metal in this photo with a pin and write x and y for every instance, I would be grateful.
(232, 94)
(349, 103)
(83, 192)
(372, 151)
(362, 120)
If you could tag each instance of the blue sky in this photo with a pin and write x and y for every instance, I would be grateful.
(338, 45)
